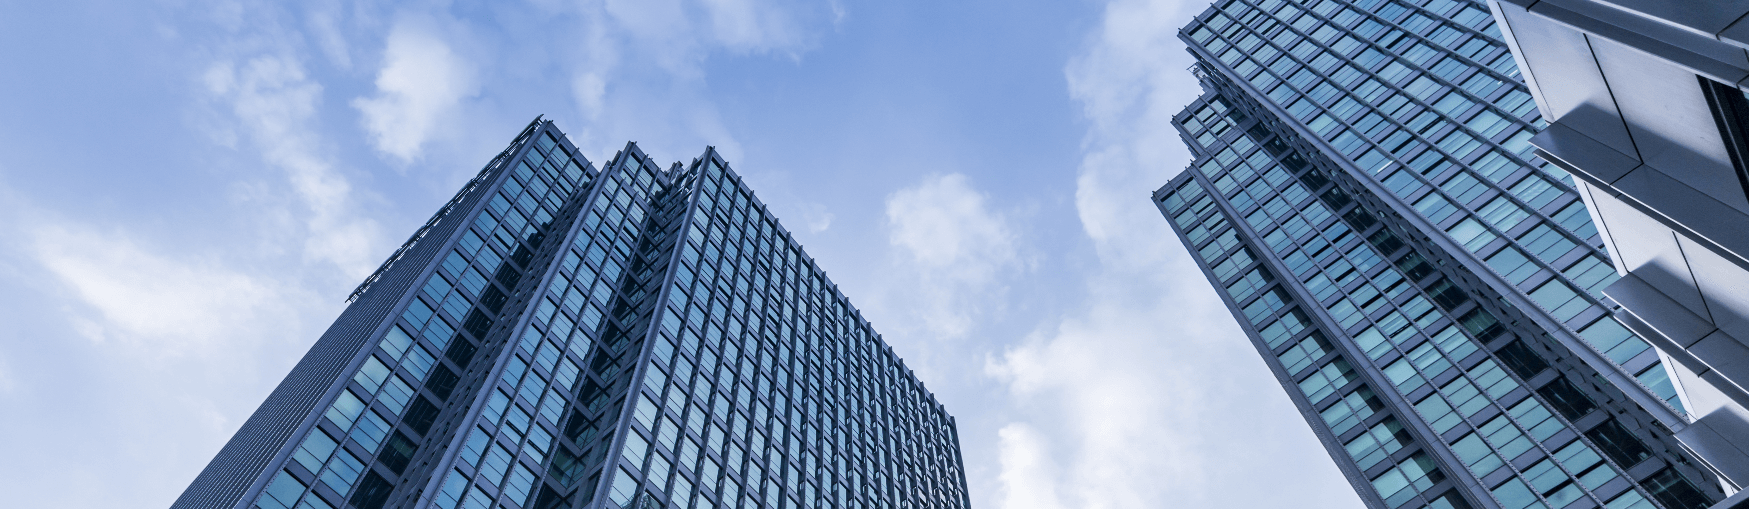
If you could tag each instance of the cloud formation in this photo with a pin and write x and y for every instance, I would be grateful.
(1149, 396)
(274, 103)
(956, 246)
(421, 81)
(169, 306)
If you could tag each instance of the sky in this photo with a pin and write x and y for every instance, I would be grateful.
(193, 187)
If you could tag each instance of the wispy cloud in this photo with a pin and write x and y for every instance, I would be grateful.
(274, 103)
(1029, 472)
(421, 81)
(752, 25)
(955, 245)
(8, 382)
(1149, 396)
(167, 305)
(637, 68)
(816, 217)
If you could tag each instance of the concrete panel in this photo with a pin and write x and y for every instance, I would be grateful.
(1648, 249)
(1567, 77)
(1727, 356)
(1692, 29)
(1706, 17)
(1686, 208)
(1722, 437)
(1591, 194)
(1669, 120)
(1723, 285)
(1658, 311)
(1699, 395)
(1567, 145)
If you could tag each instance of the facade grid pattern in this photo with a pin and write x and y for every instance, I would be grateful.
(1365, 197)
(634, 337)
(1386, 352)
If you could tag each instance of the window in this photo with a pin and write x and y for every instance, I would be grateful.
(1303, 354)
(1502, 213)
(1291, 323)
(1675, 492)
(1614, 340)
(1476, 455)
(1591, 274)
(1326, 380)
(1513, 494)
(1271, 301)
(1521, 359)
(1511, 264)
(1471, 234)
(1353, 408)
(1248, 285)
(282, 493)
(1377, 443)
(1545, 243)
(1403, 482)
(1559, 299)
(1463, 187)
(1226, 269)
(1435, 207)
(1657, 379)
(1535, 419)
(1566, 399)
(1618, 443)
(1587, 465)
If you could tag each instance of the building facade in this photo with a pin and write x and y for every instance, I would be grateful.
(562, 337)
(1365, 198)
(1647, 111)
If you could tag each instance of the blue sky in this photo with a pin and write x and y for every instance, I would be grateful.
(194, 186)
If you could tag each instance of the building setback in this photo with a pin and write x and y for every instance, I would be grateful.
(1365, 199)
(1647, 110)
(559, 337)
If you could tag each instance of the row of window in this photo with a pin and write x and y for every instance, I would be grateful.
(536, 386)
(385, 400)
(1548, 243)
(1409, 372)
(745, 289)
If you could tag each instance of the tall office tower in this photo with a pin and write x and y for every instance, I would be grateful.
(558, 337)
(1647, 110)
(1365, 198)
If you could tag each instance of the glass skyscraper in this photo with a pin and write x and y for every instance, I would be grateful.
(1648, 113)
(1365, 198)
(562, 337)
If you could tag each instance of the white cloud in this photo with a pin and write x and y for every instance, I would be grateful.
(662, 48)
(816, 217)
(1029, 473)
(275, 103)
(589, 89)
(955, 245)
(7, 382)
(1118, 392)
(324, 20)
(943, 222)
(422, 80)
(751, 25)
(172, 305)
(1150, 396)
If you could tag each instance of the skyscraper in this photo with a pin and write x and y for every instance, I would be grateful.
(1365, 199)
(1647, 112)
(558, 337)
